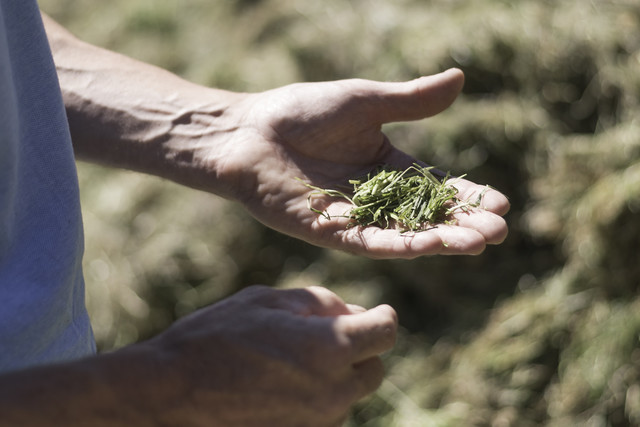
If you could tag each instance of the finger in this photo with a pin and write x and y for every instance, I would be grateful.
(353, 308)
(419, 98)
(489, 199)
(380, 243)
(473, 231)
(314, 301)
(368, 376)
(369, 333)
(457, 240)
(492, 227)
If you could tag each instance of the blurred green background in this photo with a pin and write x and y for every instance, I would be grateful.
(541, 330)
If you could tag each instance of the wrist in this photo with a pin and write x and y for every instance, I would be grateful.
(199, 140)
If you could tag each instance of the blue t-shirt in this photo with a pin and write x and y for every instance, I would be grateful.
(43, 318)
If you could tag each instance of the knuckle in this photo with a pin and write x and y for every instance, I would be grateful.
(324, 293)
(255, 290)
(389, 326)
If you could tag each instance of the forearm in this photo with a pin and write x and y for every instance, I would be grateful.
(132, 115)
(117, 389)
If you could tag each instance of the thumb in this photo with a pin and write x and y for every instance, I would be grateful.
(417, 99)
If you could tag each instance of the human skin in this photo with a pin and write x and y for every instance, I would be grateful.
(263, 356)
(252, 147)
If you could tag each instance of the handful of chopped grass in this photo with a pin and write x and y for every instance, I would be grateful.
(412, 199)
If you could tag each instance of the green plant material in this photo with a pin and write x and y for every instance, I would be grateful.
(412, 199)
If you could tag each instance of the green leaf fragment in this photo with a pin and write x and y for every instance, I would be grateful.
(412, 199)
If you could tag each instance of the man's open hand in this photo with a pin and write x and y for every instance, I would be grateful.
(326, 133)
